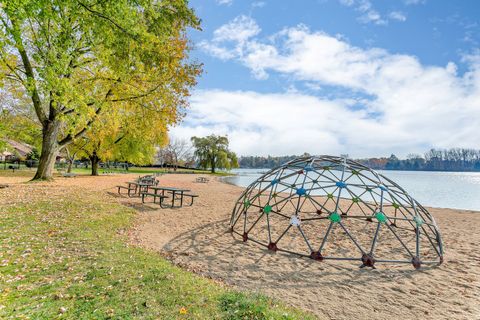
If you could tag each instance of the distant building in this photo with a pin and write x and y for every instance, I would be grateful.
(6, 155)
(15, 150)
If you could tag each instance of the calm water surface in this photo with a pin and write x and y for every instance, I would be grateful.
(458, 190)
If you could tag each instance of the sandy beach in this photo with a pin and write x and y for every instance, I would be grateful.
(197, 239)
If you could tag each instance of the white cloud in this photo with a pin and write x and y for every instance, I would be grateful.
(288, 123)
(239, 29)
(370, 15)
(235, 33)
(225, 2)
(408, 107)
(397, 15)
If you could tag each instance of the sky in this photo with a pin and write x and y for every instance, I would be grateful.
(359, 77)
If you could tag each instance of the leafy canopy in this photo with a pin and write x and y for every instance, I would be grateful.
(123, 135)
(17, 122)
(75, 60)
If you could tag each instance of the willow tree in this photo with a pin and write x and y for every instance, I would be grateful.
(212, 152)
(79, 59)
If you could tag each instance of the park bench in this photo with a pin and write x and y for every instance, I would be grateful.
(191, 196)
(129, 189)
(201, 180)
(154, 195)
(186, 195)
(69, 175)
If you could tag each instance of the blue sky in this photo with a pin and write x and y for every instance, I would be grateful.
(362, 77)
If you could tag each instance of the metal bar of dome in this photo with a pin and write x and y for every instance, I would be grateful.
(350, 236)
(256, 221)
(362, 218)
(268, 227)
(299, 196)
(433, 245)
(392, 261)
(330, 226)
(375, 238)
(315, 218)
(280, 214)
(398, 238)
(342, 258)
(245, 222)
(324, 187)
(305, 238)
(236, 220)
(283, 233)
(353, 194)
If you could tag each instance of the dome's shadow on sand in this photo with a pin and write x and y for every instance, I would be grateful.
(216, 252)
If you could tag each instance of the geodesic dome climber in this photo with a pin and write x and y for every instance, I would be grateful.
(334, 208)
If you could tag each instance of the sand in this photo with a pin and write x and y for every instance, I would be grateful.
(197, 239)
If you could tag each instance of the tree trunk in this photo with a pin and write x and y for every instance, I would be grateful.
(70, 163)
(49, 153)
(95, 160)
(213, 165)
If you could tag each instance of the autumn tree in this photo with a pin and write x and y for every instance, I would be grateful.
(125, 135)
(76, 60)
(212, 152)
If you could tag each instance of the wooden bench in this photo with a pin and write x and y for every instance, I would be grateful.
(191, 196)
(154, 195)
(201, 180)
(134, 189)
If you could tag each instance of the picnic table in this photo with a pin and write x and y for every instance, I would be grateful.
(136, 187)
(177, 194)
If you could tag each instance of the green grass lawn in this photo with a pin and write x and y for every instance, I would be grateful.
(64, 255)
(24, 171)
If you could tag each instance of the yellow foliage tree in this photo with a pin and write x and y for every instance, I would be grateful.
(78, 60)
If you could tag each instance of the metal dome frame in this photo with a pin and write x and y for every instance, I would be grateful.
(310, 191)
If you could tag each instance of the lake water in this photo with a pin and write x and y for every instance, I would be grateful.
(458, 190)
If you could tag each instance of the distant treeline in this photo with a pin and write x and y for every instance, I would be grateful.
(455, 159)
